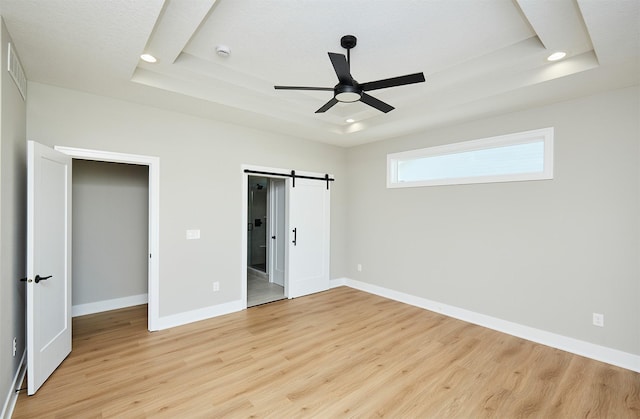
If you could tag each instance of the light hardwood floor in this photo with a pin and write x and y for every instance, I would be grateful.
(340, 353)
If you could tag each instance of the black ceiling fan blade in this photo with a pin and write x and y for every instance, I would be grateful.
(327, 105)
(376, 103)
(392, 82)
(329, 89)
(341, 67)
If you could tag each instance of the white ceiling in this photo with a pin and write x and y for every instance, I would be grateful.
(480, 57)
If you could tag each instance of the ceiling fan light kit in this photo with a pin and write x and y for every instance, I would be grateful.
(348, 90)
(348, 94)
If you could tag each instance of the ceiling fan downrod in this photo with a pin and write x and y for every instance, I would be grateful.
(347, 42)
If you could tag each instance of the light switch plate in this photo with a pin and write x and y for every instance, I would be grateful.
(598, 319)
(193, 234)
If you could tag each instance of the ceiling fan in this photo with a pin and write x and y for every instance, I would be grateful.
(348, 89)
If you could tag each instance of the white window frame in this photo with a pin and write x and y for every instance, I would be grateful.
(544, 134)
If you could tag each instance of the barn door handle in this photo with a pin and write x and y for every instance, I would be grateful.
(295, 236)
(39, 278)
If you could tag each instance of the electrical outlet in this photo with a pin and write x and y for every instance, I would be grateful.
(598, 319)
(216, 286)
(15, 346)
(359, 268)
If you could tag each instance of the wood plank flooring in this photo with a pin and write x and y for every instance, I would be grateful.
(340, 353)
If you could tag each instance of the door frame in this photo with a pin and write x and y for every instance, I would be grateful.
(153, 163)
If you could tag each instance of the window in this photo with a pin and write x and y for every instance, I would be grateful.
(507, 158)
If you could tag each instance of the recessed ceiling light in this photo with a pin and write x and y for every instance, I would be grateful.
(148, 58)
(350, 120)
(557, 56)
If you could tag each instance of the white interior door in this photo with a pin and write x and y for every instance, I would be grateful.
(48, 262)
(278, 231)
(308, 244)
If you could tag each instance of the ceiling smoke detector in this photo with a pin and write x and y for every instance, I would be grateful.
(223, 51)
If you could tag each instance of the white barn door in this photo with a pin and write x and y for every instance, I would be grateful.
(308, 244)
(48, 279)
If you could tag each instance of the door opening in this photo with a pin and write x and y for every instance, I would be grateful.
(263, 212)
(153, 255)
(110, 222)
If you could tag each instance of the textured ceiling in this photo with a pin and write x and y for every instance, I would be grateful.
(479, 57)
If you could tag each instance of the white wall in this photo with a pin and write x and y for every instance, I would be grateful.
(13, 175)
(110, 231)
(200, 182)
(545, 254)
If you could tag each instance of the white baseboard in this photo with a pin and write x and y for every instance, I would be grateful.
(106, 305)
(578, 347)
(181, 319)
(338, 282)
(12, 397)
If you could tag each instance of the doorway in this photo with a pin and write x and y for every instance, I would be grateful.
(265, 215)
(110, 221)
(153, 265)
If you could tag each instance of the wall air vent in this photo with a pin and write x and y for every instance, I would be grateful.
(17, 73)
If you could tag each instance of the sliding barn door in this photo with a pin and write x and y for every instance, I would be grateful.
(308, 244)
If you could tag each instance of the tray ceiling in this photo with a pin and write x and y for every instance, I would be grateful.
(479, 57)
